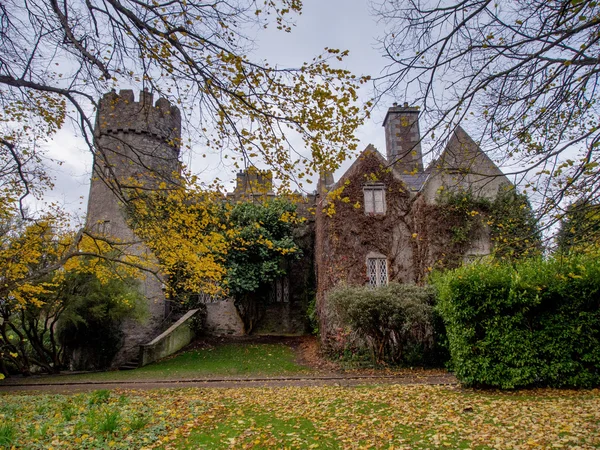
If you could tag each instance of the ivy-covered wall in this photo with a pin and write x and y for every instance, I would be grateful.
(346, 235)
(415, 234)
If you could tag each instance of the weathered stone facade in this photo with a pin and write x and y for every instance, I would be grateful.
(385, 224)
(137, 142)
(381, 221)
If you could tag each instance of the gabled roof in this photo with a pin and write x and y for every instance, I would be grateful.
(409, 180)
(463, 156)
(462, 152)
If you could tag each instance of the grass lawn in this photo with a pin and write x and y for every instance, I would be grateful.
(390, 416)
(227, 360)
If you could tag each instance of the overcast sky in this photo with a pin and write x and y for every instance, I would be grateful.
(342, 24)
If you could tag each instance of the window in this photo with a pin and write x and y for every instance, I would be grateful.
(374, 199)
(204, 297)
(280, 290)
(377, 271)
(104, 228)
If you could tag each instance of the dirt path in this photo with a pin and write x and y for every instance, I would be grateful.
(323, 372)
(343, 380)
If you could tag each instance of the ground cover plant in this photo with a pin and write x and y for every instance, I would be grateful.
(385, 416)
(226, 360)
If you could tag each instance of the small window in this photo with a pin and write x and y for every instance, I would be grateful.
(280, 290)
(105, 228)
(377, 271)
(204, 297)
(374, 199)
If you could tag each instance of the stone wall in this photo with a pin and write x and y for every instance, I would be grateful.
(222, 319)
(136, 143)
(170, 341)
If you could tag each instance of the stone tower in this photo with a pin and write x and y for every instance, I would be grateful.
(403, 139)
(134, 141)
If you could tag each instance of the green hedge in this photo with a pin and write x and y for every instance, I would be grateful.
(534, 323)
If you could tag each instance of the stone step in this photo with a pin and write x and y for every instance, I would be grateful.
(131, 364)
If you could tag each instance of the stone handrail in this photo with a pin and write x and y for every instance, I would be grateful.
(170, 341)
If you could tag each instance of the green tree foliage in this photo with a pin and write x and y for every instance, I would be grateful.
(77, 310)
(396, 320)
(89, 326)
(525, 73)
(580, 227)
(260, 250)
(530, 323)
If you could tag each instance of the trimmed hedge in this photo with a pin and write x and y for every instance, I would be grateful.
(534, 323)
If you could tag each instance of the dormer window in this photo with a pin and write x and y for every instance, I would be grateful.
(374, 198)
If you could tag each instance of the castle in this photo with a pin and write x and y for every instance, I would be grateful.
(382, 228)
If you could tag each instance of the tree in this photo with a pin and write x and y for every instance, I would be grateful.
(580, 227)
(260, 251)
(43, 270)
(526, 72)
(228, 249)
(187, 232)
(75, 322)
(88, 326)
(58, 58)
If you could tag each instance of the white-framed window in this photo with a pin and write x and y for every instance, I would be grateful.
(377, 271)
(374, 198)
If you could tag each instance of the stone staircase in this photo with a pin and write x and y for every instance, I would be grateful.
(177, 336)
(133, 363)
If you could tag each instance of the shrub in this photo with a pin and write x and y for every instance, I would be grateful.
(395, 320)
(89, 327)
(8, 433)
(109, 422)
(535, 323)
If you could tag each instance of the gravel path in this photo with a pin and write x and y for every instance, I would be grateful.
(328, 380)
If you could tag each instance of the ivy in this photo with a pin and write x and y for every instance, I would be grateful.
(509, 218)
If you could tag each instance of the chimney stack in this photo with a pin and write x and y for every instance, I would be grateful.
(403, 139)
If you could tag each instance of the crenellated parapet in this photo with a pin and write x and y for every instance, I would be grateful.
(121, 113)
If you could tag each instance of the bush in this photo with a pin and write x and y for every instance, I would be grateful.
(89, 327)
(395, 320)
(535, 323)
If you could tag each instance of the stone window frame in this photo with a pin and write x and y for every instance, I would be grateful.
(377, 266)
(370, 205)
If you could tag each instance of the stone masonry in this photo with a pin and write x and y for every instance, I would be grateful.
(136, 142)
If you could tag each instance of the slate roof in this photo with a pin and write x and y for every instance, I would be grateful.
(414, 182)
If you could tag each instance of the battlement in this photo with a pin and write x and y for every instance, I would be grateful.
(121, 113)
